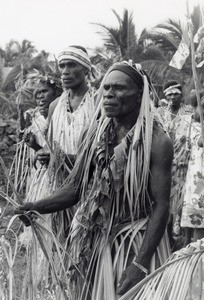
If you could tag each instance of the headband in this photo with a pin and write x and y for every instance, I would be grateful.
(173, 89)
(77, 55)
(130, 71)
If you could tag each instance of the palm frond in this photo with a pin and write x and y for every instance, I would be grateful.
(11, 77)
(181, 277)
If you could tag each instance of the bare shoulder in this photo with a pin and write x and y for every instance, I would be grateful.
(52, 106)
(162, 146)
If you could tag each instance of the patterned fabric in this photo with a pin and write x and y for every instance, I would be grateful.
(193, 193)
(168, 117)
(180, 130)
(77, 55)
(180, 133)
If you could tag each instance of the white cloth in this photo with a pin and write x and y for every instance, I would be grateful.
(66, 127)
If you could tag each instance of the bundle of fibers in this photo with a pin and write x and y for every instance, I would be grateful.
(181, 277)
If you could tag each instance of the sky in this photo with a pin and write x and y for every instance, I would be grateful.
(52, 25)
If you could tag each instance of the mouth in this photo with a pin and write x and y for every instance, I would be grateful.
(67, 80)
(110, 108)
(43, 106)
(109, 104)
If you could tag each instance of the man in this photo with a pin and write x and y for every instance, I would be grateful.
(73, 110)
(122, 179)
(175, 107)
(68, 116)
(172, 116)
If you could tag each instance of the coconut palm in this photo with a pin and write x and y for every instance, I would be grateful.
(17, 53)
(165, 36)
(121, 41)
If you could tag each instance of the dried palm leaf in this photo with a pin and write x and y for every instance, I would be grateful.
(181, 277)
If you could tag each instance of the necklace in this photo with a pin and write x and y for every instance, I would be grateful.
(68, 108)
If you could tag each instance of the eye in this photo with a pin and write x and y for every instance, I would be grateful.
(72, 64)
(106, 87)
(119, 88)
(61, 66)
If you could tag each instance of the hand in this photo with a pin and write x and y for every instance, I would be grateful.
(30, 141)
(43, 157)
(130, 277)
(24, 213)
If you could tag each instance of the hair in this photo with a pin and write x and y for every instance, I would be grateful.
(51, 84)
(170, 83)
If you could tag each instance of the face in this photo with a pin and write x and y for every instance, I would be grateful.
(174, 99)
(121, 95)
(44, 95)
(73, 73)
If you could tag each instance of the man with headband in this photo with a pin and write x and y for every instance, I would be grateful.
(121, 182)
(172, 116)
(68, 116)
(175, 106)
(70, 113)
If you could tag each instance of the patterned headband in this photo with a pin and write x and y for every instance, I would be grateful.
(77, 55)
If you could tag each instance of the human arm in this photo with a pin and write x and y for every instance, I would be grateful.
(159, 189)
(60, 200)
(63, 198)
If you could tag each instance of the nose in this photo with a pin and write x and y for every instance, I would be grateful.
(109, 92)
(40, 96)
(65, 70)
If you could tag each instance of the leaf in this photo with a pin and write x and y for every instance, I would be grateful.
(11, 77)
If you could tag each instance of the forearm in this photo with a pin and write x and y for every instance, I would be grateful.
(155, 229)
(60, 200)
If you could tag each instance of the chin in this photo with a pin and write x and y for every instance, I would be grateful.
(109, 115)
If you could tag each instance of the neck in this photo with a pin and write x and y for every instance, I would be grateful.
(78, 91)
(128, 121)
(175, 109)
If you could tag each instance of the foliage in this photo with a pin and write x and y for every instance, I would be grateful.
(18, 83)
(121, 41)
(153, 49)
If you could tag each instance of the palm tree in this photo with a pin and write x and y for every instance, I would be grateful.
(121, 41)
(16, 53)
(122, 44)
(167, 37)
(22, 62)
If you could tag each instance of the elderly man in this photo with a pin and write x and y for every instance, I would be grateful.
(122, 179)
